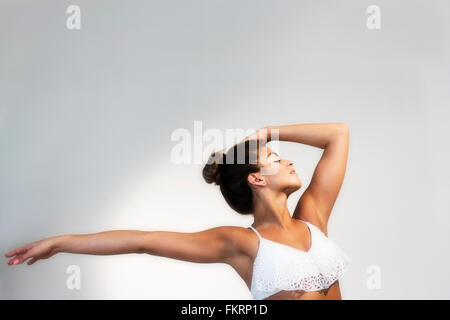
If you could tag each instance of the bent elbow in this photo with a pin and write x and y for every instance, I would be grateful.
(344, 128)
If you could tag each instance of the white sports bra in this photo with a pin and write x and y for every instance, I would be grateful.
(281, 267)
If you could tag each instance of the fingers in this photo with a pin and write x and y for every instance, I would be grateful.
(15, 260)
(20, 258)
(20, 250)
(262, 135)
(32, 261)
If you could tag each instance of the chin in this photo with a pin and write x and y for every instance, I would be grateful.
(297, 182)
(293, 187)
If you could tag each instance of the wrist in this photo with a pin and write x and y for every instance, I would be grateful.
(58, 243)
(271, 133)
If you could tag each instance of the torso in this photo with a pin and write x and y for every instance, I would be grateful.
(300, 239)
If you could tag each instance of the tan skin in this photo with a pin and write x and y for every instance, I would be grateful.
(236, 246)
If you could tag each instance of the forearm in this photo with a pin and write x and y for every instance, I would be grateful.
(102, 243)
(313, 134)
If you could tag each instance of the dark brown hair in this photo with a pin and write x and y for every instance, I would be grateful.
(230, 171)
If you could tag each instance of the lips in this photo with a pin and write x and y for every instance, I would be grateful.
(292, 171)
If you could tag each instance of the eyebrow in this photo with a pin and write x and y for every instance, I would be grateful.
(273, 153)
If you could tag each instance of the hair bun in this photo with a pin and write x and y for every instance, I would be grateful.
(213, 168)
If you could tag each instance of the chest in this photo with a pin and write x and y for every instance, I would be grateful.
(281, 267)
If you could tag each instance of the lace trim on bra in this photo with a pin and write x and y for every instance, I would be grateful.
(313, 270)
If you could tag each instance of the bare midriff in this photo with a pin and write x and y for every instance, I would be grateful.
(332, 293)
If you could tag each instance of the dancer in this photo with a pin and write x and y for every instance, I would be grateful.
(280, 256)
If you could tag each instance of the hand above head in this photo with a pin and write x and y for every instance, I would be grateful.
(262, 135)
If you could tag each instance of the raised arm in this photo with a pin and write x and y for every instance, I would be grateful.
(317, 201)
(212, 245)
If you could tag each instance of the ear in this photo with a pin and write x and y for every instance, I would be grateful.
(256, 179)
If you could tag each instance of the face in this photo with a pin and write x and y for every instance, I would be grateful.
(276, 173)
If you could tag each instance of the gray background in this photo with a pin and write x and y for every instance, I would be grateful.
(86, 118)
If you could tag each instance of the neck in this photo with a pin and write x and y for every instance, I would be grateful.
(270, 208)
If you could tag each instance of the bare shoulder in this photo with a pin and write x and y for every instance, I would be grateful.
(239, 243)
(219, 244)
(237, 237)
(306, 210)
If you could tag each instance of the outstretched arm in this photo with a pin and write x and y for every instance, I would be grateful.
(215, 245)
(212, 245)
(102, 243)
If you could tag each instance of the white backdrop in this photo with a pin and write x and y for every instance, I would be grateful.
(86, 118)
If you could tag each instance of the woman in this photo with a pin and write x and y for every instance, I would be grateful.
(279, 256)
